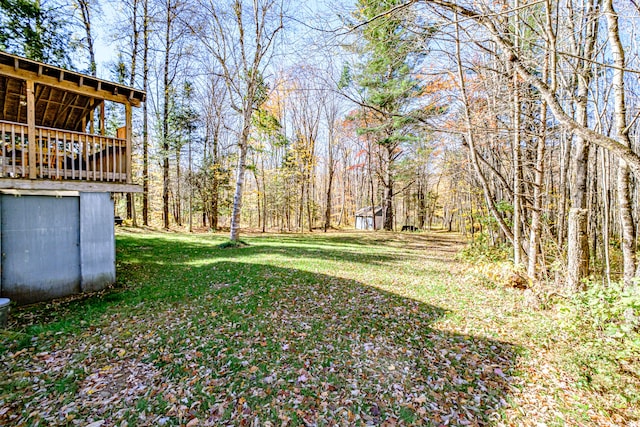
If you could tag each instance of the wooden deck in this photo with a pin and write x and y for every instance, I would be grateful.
(48, 132)
(61, 155)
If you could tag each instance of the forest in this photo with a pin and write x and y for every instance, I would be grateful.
(514, 123)
(490, 148)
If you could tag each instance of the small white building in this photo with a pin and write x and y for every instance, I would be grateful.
(364, 218)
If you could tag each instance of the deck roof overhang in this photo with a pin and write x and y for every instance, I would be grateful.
(64, 99)
(71, 81)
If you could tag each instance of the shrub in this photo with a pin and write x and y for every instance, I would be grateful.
(610, 309)
(482, 250)
(605, 323)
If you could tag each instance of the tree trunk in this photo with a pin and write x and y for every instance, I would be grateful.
(213, 220)
(578, 251)
(178, 193)
(578, 246)
(565, 151)
(190, 187)
(165, 121)
(517, 171)
(472, 148)
(264, 197)
(606, 197)
(215, 182)
(327, 212)
(134, 57)
(309, 201)
(130, 202)
(301, 206)
(373, 197)
(240, 172)
(421, 205)
(388, 192)
(145, 118)
(345, 183)
(237, 196)
(536, 214)
(85, 10)
(622, 133)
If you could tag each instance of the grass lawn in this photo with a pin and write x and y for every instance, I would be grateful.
(315, 329)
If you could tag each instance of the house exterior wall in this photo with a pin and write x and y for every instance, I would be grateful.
(97, 241)
(54, 245)
(40, 247)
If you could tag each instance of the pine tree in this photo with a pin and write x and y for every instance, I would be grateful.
(35, 30)
(385, 77)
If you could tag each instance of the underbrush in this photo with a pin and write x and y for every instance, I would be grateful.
(604, 323)
(482, 250)
(490, 265)
(597, 338)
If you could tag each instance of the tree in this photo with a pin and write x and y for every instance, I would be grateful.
(622, 135)
(182, 124)
(240, 39)
(36, 30)
(577, 239)
(331, 110)
(390, 90)
(86, 7)
(214, 172)
(127, 33)
(145, 113)
(174, 57)
(569, 104)
(305, 112)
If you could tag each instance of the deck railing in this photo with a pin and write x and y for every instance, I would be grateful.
(61, 154)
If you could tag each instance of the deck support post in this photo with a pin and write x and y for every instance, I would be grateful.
(92, 126)
(129, 128)
(103, 130)
(31, 131)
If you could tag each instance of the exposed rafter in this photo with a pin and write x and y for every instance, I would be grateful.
(23, 68)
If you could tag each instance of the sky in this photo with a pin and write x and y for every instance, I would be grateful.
(310, 21)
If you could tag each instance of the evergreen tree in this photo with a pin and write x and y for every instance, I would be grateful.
(390, 91)
(36, 30)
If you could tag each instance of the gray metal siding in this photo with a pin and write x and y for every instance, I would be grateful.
(97, 241)
(40, 247)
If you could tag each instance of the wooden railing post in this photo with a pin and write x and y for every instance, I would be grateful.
(31, 132)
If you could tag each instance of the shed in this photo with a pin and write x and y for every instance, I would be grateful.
(364, 218)
(57, 173)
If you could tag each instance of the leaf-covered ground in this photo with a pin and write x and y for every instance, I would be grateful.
(337, 329)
